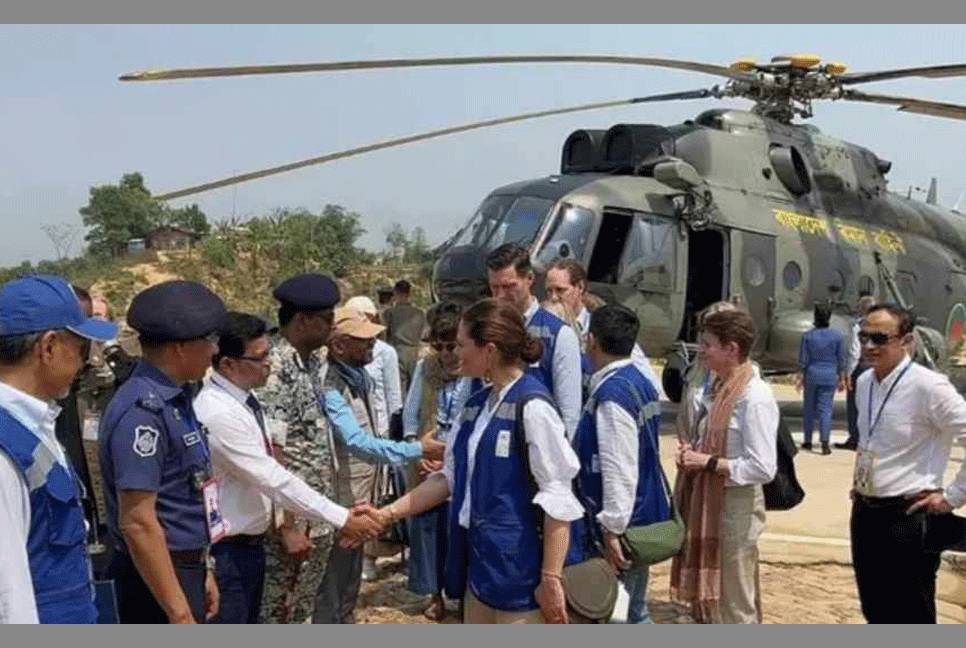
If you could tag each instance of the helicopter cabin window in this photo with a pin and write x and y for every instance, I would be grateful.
(792, 275)
(647, 260)
(573, 226)
(754, 271)
(505, 219)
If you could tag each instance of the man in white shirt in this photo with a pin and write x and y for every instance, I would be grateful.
(511, 281)
(908, 418)
(566, 283)
(251, 480)
(44, 567)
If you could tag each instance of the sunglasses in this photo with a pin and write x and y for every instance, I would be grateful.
(439, 347)
(877, 339)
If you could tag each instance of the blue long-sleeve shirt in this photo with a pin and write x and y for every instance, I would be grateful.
(362, 444)
(822, 356)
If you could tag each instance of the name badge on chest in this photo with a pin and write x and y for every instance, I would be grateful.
(503, 444)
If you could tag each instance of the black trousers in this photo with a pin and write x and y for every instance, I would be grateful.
(851, 410)
(896, 576)
(240, 569)
(136, 603)
(338, 592)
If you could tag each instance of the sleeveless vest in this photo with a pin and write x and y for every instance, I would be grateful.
(545, 325)
(57, 540)
(499, 557)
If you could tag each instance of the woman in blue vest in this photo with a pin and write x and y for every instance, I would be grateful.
(508, 468)
(436, 397)
(620, 481)
(821, 358)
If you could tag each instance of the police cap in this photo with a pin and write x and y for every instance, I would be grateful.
(176, 310)
(308, 292)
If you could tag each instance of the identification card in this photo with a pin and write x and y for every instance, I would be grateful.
(503, 444)
(91, 423)
(217, 525)
(864, 472)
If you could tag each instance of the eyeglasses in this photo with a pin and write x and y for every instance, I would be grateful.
(877, 339)
(439, 347)
(262, 361)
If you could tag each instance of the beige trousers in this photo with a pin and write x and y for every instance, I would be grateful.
(741, 525)
(476, 611)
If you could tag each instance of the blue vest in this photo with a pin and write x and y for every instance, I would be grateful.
(499, 557)
(57, 540)
(650, 501)
(586, 372)
(545, 325)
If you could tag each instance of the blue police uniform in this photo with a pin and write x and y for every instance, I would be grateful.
(822, 358)
(500, 555)
(150, 440)
(56, 550)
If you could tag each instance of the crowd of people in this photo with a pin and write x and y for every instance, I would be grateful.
(251, 473)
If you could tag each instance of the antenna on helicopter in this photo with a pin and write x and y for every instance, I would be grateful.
(932, 196)
(959, 200)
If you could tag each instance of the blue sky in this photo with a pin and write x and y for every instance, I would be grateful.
(67, 123)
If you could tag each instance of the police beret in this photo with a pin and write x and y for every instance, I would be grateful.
(176, 310)
(309, 291)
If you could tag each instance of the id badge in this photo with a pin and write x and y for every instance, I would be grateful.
(217, 525)
(864, 472)
(503, 444)
(91, 423)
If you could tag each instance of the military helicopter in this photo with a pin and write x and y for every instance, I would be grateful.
(749, 206)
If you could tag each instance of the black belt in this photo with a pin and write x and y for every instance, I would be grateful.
(883, 502)
(244, 540)
(189, 557)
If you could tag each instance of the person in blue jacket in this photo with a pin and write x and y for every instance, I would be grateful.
(821, 358)
(508, 467)
(45, 573)
(620, 482)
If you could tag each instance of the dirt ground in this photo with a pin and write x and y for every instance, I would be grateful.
(821, 592)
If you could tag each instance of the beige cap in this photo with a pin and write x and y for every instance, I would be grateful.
(362, 304)
(349, 321)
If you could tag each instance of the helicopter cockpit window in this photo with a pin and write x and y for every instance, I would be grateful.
(505, 219)
(573, 225)
(649, 254)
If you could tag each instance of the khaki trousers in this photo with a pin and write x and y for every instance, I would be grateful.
(741, 525)
(475, 611)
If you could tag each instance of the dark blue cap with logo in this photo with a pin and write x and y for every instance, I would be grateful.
(38, 303)
(309, 291)
(176, 310)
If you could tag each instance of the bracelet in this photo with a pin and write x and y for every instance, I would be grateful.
(549, 574)
(391, 509)
(712, 464)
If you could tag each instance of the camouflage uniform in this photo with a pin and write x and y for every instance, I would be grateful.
(291, 405)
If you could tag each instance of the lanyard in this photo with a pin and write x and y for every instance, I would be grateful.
(873, 424)
(449, 402)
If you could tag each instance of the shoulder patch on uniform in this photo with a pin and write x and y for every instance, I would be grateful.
(151, 402)
(145, 441)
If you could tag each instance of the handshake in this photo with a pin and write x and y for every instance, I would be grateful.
(365, 522)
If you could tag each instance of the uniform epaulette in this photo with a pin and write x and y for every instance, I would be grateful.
(151, 402)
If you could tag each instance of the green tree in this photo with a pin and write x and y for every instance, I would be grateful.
(397, 240)
(190, 217)
(117, 213)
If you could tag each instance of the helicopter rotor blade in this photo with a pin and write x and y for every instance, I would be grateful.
(910, 104)
(330, 157)
(928, 71)
(247, 70)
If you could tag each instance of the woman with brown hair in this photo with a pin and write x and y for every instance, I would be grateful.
(729, 454)
(436, 396)
(508, 468)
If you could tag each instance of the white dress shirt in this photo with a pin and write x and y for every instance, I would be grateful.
(17, 602)
(855, 348)
(250, 479)
(752, 433)
(915, 430)
(637, 354)
(567, 373)
(387, 389)
(553, 462)
(618, 446)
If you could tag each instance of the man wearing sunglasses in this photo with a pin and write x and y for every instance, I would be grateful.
(44, 567)
(908, 418)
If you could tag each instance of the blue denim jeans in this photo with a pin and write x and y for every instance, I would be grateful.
(635, 580)
(817, 408)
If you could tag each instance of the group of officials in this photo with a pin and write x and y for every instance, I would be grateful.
(242, 467)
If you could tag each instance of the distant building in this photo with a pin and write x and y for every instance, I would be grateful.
(172, 237)
(135, 245)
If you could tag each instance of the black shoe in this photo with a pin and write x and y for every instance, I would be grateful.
(847, 445)
(826, 450)
(807, 446)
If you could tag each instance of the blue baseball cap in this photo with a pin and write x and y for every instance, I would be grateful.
(38, 303)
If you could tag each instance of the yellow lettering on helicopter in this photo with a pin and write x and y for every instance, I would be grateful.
(801, 222)
(889, 241)
(853, 234)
